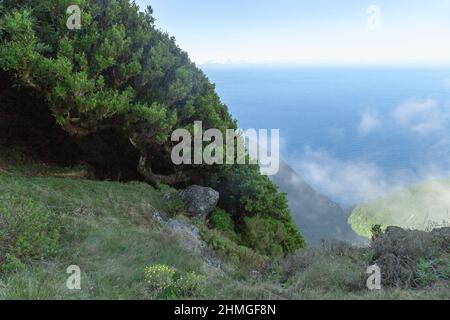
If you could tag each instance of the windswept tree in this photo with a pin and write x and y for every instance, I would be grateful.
(119, 78)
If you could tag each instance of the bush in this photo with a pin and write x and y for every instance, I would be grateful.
(255, 202)
(173, 204)
(158, 278)
(221, 220)
(240, 256)
(268, 236)
(190, 285)
(163, 281)
(429, 272)
(28, 230)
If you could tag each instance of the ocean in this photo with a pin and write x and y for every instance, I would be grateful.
(353, 133)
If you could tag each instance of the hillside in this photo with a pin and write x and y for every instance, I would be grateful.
(421, 207)
(113, 231)
(316, 216)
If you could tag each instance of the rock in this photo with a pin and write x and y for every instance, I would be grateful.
(200, 201)
(158, 216)
(187, 233)
(190, 239)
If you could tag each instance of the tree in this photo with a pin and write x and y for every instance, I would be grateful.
(119, 78)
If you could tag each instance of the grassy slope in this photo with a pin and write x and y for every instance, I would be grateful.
(117, 240)
(421, 207)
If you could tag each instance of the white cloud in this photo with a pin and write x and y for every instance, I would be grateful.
(408, 110)
(347, 181)
(370, 122)
(423, 117)
(355, 181)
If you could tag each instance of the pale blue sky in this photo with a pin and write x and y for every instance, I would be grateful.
(306, 31)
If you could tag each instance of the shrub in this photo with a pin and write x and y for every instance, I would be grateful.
(240, 256)
(254, 201)
(158, 278)
(268, 236)
(431, 271)
(28, 230)
(190, 284)
(163, 281)
(221, 220)
(173, 204)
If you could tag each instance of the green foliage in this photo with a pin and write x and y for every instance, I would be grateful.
(163, 281)
(429, 272)
(173, 204)
(247, 194)
(221, 220)
(242, 257)
(266, 235)
(190, 284)
(159, 278)
(118, 71)
(28, 230)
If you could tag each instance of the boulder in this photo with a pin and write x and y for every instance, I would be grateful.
(199, 201)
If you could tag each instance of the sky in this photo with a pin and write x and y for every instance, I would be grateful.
(308, 32)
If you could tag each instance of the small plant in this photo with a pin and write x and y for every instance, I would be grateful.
(163, 281)
(190, 284)
(431, 271)
(173, 204)
(28, 230)
(221, 220)
(241, 256)
(158, 278)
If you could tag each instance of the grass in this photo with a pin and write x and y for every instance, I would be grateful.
(110, 234)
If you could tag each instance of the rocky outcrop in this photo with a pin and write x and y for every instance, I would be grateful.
(199, 201)
(190, 238)
(187, 233)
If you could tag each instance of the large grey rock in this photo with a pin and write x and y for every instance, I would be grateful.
(200, 201)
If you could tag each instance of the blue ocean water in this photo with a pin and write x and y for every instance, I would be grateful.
(320, 112)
